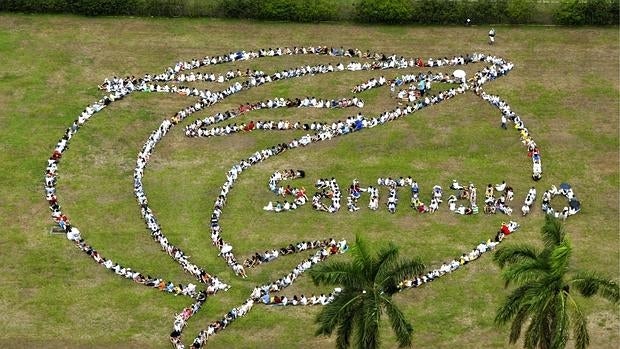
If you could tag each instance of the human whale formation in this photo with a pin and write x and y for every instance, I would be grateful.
(328, 195)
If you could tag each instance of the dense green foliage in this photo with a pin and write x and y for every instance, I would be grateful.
(580, 12)
(546, 289)
(569, 12)
(368, 283)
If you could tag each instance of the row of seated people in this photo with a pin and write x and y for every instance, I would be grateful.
(213, 328)
(423, 79)
(199, 128)
(130, 81)
(268, 256)
(529, 201)
(211, 77)
(524, 134)
(301, 300)
(449, 266)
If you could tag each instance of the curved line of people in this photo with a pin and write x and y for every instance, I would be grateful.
(268, 256)
(73, 233)
(449, 266)
(574, 206)
(200, 127)
(519, 125)
(419, 84)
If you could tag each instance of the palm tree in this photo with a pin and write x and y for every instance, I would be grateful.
(545, 295)
(368, 283)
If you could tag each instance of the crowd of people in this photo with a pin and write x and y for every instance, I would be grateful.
(494, 204)
(299, 197)
(574, 206)
(327, 189)
(118, 88)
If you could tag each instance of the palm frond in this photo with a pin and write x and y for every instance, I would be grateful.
(542, 306)
(579, 324)
(337, 273)
(560, 258)
(336, 312)
(345, 330)
(560, 321)
(511, 254)
(532, 333)
(371, 317)
(402, 270)
(362, 257)
(514, 303)
(517, 324)
(401, 327)
(387, 258)
(526, 271)
(538, 333)
(591, 283)
(552, 231)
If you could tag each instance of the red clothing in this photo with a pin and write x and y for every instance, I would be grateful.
(505, 229)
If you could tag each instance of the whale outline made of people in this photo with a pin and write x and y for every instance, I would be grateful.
(119, 88)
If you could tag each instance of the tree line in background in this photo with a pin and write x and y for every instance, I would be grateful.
(564, 12)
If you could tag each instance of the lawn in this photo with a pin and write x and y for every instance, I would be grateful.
(565, 85)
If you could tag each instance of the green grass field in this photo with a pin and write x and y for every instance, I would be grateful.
(565, 85)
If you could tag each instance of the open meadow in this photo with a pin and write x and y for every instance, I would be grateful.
(565, 85)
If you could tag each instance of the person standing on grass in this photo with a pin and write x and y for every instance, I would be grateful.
(492, 36)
